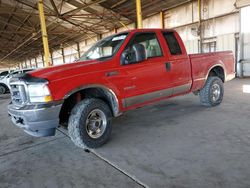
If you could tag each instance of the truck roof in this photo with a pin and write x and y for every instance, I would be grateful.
(150, 29)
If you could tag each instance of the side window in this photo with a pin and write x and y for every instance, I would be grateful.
(173, 44)
(149, 41)
(28, 70)
(15, 73)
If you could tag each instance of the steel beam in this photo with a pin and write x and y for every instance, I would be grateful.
(44, 34)
(81, 7)
(55, 8)
(118, 3)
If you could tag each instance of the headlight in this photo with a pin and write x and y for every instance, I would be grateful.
(39, 93)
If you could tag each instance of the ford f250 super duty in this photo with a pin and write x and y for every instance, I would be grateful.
(119, 73)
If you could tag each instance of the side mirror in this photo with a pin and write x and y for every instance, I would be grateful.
(136, 54)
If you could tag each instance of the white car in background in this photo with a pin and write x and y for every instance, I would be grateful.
(4, 80)
(3, 74)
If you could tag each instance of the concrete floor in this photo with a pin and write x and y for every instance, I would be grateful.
(176, 143)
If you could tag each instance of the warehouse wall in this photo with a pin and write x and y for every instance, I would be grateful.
(220, 29)
(244, 62)
(220, 21)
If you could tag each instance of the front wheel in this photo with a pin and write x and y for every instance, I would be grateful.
(212, 93)
(90, 123)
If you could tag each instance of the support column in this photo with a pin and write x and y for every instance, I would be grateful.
(139, 14)
(52, 60)
(200, 29)
(99, 37)
(26, 66)
(36, 62)
(78, 49)
(30, 64)
(44, 34)
(43, 60)
(162, 19)
(63, 55)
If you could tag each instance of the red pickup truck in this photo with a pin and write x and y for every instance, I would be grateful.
(119, 73)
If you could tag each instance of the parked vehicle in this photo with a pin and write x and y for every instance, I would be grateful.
(4, 80)
(119, 73)
(3, 74)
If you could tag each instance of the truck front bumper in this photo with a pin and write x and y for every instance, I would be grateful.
(36, 120)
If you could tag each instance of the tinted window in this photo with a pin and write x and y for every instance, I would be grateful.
(4, 73)
(18, 72)
(24, 71)
(149, 41)
(173, 44)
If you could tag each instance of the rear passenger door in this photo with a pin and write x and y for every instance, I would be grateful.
(178, 63)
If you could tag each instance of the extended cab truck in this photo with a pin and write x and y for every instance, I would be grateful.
(119, 73)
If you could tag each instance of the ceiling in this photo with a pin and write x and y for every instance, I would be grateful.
(67, 21)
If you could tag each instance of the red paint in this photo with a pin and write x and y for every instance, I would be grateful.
(137, 79)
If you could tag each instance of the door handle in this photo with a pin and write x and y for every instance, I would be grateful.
(168, 66)
(112, 73)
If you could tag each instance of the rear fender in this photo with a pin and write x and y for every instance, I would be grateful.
(218, 64)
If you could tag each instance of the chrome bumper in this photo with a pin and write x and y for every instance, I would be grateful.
(36, 120)
(230, 77)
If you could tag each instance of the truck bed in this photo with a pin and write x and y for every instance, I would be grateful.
(201, 64)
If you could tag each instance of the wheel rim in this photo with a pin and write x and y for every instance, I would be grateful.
(216, 91)
(96, 123)
(2, 90)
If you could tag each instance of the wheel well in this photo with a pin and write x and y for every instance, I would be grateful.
(217, 71)
(76, 97)
(5, 86)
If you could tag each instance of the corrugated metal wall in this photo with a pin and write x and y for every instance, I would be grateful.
(226, 42)
(244, 64)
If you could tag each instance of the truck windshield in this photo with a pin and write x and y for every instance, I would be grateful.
(2, 74)
(105, 48)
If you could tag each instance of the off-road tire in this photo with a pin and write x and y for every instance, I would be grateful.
(77, 123)
(206, 92)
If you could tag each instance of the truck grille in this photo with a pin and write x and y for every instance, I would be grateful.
(18, 94)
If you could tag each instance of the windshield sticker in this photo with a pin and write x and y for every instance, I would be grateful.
(121, 37)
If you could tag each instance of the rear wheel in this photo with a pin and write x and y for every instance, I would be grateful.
(2, 89)
(212, 93)
(90, 123)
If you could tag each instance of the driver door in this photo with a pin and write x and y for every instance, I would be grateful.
(146, 80)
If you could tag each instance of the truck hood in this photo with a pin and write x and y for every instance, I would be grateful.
(66, 70)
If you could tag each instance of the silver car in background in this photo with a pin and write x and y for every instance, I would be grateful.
(5, 79)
